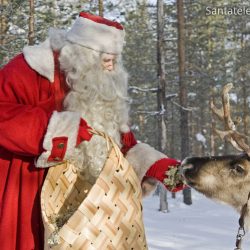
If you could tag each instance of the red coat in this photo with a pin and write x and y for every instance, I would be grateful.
(26, 101)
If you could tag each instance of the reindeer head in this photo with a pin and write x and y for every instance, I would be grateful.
(223, 178)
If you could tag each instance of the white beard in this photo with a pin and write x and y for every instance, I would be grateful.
(101, 98)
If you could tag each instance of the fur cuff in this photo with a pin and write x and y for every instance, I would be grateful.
(142, 157)
(40, 58)
(97, 36)
(124, 128)
(148, 186)
(61, 125)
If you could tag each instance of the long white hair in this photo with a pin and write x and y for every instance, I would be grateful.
(100, 97)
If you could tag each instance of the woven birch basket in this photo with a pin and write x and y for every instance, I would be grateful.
(106, 215)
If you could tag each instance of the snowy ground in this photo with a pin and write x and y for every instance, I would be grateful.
(205, 225)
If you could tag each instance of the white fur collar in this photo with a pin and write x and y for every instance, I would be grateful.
(40, 58)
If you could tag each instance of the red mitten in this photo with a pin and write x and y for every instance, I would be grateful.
(128, 141)
(158, 171)
(83, 133)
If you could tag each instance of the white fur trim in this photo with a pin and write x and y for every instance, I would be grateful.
(142, 157)
(61, 124)
(124, 128)
(40, 58)
(57, 38)
(96, 36)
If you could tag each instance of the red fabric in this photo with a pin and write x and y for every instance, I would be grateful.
(26, 103)
(59, 146)
(99, 19)
(159, 168)
(83, 133)
(128, 141)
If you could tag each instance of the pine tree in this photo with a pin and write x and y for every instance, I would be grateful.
(140, 61)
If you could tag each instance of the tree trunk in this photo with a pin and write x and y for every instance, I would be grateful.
(31, 34)
(100, 7)
(162, 135)
(183, 94)
(3, 22)
(244, 89)
(172, 134)
(245, 108)
(161, 102)
(212, 128)
(163, 199)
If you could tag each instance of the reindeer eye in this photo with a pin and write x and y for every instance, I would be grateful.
(238, 169)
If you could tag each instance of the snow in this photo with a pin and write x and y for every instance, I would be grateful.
(15, 30)
(233, 97)
(201, 138)
(205, 225)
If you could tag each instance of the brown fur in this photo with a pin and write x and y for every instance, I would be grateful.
(222, 178)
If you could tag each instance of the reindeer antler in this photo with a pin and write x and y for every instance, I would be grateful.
(230, 134)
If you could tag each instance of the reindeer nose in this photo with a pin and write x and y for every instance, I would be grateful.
(190, 167)
(186, 165)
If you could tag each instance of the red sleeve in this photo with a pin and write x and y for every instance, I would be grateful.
(22, 122)
(128, 141)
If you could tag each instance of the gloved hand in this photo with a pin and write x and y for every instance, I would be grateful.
(65, 131)
(83, 133)
(159, 170)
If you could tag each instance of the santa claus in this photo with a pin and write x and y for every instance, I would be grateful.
(50, 96)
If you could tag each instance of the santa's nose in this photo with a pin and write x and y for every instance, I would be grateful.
(110, 66)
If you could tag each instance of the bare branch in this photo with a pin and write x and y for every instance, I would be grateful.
(170, 96)
(153, 90)
(184, 108)
(148, 112)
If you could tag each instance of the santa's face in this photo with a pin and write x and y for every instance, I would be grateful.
(108, 61)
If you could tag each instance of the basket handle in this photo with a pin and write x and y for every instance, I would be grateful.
(110, 143)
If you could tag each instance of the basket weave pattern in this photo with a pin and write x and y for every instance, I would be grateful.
(108, 214)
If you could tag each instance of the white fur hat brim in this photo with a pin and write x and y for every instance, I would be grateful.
(96, 35)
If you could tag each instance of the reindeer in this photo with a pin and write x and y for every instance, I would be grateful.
(224, 178)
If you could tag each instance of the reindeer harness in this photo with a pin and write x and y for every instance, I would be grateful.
(241, 231)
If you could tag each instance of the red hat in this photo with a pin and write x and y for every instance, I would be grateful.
(97, 33)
